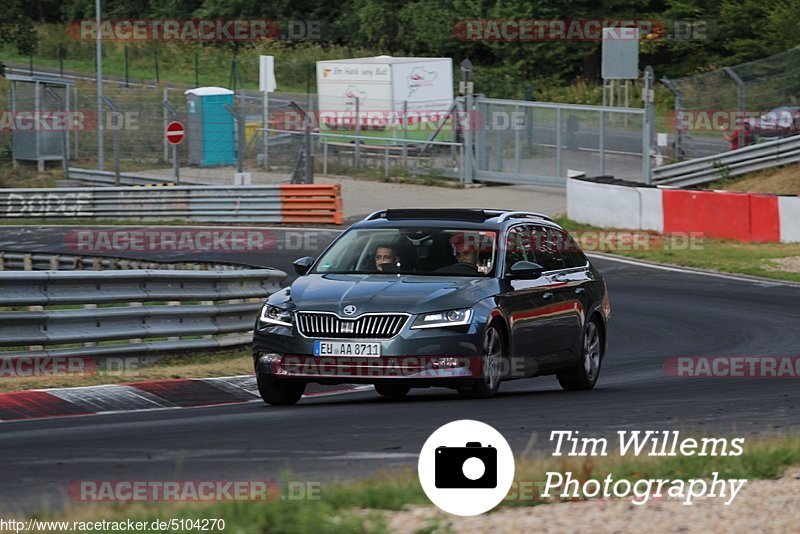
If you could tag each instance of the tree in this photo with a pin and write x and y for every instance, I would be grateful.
(17, 27)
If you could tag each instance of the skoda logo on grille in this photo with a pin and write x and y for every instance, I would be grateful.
(349, 309)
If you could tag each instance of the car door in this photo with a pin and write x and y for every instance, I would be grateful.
(564, 322)
(527, 304)
(574, 288)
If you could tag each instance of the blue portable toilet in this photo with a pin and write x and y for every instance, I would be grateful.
(210, 127)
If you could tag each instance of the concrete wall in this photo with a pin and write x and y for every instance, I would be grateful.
(740, 216)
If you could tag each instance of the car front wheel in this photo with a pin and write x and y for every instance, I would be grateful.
(584, 374)
(279, 394)
(491, 366)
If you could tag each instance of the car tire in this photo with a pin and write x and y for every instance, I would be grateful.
(492, 360)
(585, 373)
(279, 394)
(392, 390)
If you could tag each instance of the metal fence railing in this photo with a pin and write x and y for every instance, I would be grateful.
(107, 313)
(549, 140)
(733, 163)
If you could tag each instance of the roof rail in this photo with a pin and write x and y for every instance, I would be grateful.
(375, 215)
(467, 213)
(522, 215)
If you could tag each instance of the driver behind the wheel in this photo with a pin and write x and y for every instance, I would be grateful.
(386, 254)
(465, 249)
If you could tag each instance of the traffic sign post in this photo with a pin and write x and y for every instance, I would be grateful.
(175, 134)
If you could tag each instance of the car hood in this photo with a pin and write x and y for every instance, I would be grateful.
(388, 293)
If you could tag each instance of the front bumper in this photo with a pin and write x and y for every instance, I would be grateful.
(417, 357)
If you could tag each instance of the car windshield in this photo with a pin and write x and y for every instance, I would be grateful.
(422, 251)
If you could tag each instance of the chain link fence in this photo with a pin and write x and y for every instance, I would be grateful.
(714, 110)
(292, 135)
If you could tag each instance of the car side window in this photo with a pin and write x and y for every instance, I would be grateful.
(547, 248)
(570, 251)
(517, 247)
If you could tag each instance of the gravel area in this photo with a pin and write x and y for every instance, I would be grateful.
(762, 506)
(790, 264)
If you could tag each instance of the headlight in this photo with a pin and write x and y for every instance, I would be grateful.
(275, 316)
(443, 318)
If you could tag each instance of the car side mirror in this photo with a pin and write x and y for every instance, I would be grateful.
(302, 265)
(526, 269)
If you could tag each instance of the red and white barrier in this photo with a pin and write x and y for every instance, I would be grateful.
(741, 216)
(789, 214)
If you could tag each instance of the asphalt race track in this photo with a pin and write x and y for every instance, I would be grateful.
(656, 314)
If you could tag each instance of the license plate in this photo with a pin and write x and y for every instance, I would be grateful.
(346, 348)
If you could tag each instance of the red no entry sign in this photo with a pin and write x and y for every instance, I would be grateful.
(175, 133)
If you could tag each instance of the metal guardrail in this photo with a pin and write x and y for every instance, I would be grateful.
(734, 163)
(279, 203)
(29, 261)
(132, 312)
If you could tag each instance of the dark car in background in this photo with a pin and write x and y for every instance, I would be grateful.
(459, 298)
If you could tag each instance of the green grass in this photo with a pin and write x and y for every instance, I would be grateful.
(197, 364)
(358, 506)
(724, 255)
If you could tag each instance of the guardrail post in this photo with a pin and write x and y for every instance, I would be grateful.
(90, 307)
(174, 303)
(35, 309)
(206, 303)
(27, 262)
(136, 305)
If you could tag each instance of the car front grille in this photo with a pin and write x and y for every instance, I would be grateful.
(369, 326)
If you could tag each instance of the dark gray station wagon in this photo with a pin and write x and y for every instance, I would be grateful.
(459, 298)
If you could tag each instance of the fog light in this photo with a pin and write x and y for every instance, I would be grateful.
(269, 357)
(444, 363)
